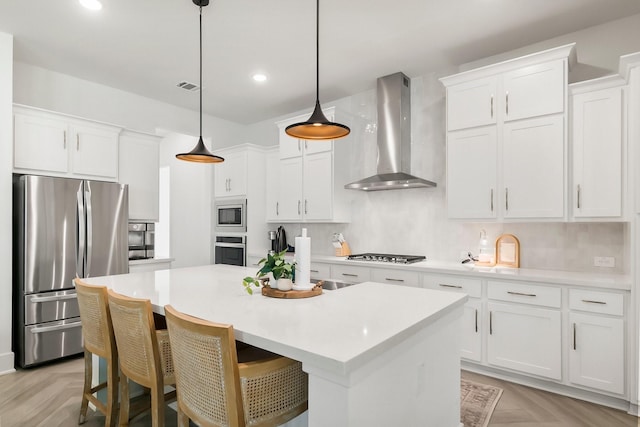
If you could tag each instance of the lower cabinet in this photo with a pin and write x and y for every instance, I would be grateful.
(597, 345)
(526, 339)
(395, 277)
(596, 356)
(472, 318)
(350, 273)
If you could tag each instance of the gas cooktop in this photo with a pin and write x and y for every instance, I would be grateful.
(397, 259)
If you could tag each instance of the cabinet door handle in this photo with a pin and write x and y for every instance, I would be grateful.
(490, 323)
(349, 274)
(77, 142)
(521, 294)
(492, 200)
(393, 280)
(492, 106)
(507, 103)
(590, 301)
(64, 142)
(574, 336)
(314, 271)
(450, 286)
(277, 208)
(298, 207)
(306, 144)
(578, 196)
(306, 202)
(476, 320)
(506, 199)
(229, 184)
(298, 145)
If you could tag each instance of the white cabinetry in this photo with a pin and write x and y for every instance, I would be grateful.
(394, 276)
(139, 168)
(310, 186)
(231, 175)
(350, 273)
(472, 319)
(506, 124)
(523, 337)
(596, 354)
(59, 145)
(597, 148)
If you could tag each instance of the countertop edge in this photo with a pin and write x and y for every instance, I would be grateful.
(150, 261)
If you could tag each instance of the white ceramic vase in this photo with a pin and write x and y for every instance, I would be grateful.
(284, 284)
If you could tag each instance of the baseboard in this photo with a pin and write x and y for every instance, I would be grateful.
(6, 363)
(634, 410)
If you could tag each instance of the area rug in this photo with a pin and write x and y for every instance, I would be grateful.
(477, 402)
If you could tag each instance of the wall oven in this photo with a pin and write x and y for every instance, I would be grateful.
(141, 240)
(231, 250)
(231, 216)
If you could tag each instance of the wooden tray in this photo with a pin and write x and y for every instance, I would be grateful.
(276, 293)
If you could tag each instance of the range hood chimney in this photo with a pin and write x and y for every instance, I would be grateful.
(394, 138)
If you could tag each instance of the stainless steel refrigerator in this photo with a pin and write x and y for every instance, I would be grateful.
(63, 228)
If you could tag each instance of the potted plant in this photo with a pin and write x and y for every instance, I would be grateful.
(283, 272)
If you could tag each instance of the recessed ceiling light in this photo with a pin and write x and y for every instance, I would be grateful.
(259, 77)
(91, 4)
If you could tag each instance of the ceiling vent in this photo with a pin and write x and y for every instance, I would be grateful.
(191, 87)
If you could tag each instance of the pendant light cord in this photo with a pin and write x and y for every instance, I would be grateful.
(200, 71)
(317, 50)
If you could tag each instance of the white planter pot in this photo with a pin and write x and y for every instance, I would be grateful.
(284, 284)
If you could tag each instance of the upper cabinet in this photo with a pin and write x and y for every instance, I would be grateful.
(60, 145)
(597, 151)
(139, 168)
(506, 139)
(231, 175)
(309, 185)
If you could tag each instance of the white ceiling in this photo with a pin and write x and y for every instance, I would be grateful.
(148, 46)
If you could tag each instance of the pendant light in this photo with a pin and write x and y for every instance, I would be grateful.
(318, 127)
(200, 154)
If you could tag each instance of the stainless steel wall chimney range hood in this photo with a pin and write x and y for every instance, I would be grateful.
(394, 138)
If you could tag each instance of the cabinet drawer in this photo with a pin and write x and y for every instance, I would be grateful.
(394, 276)
(596, 302)
(472, 287)
(350, 273)
(320, 271)
(525, 294)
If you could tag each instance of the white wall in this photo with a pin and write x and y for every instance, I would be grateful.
(42, 88)
(6, 156)
(191, 188)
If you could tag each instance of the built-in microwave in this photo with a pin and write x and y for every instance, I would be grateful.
(231, 215)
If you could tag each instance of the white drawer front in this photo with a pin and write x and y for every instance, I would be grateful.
(472, 287)
(350, 273)
(525, 293)
(596, 302)
(394, 276)
(320, 270)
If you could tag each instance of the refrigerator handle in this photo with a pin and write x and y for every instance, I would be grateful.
(87, 198)
(81, 236)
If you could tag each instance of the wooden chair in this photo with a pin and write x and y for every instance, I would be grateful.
(98, 339)
(144, 354)
(215, 390)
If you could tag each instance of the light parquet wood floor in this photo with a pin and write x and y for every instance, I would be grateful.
(50, 397)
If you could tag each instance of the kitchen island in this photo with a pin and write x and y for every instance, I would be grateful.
(376, 354)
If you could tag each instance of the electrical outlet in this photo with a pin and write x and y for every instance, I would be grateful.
(604, 261)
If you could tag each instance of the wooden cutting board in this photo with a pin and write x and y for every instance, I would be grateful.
(292, 294)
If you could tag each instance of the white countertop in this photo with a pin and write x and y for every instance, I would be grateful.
(150, 261)
(337, 331)
(595, 280)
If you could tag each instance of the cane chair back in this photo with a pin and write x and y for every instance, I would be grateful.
(98, 339)
(215, 390)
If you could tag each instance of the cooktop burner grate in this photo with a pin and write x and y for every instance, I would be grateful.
(397, 259)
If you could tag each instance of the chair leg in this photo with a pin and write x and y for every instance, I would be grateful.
(183, 419)
(86, 389)
(124, 400)
(112, 394)
(157, 407)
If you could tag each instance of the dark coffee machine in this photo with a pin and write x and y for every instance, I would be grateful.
(278, 240)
